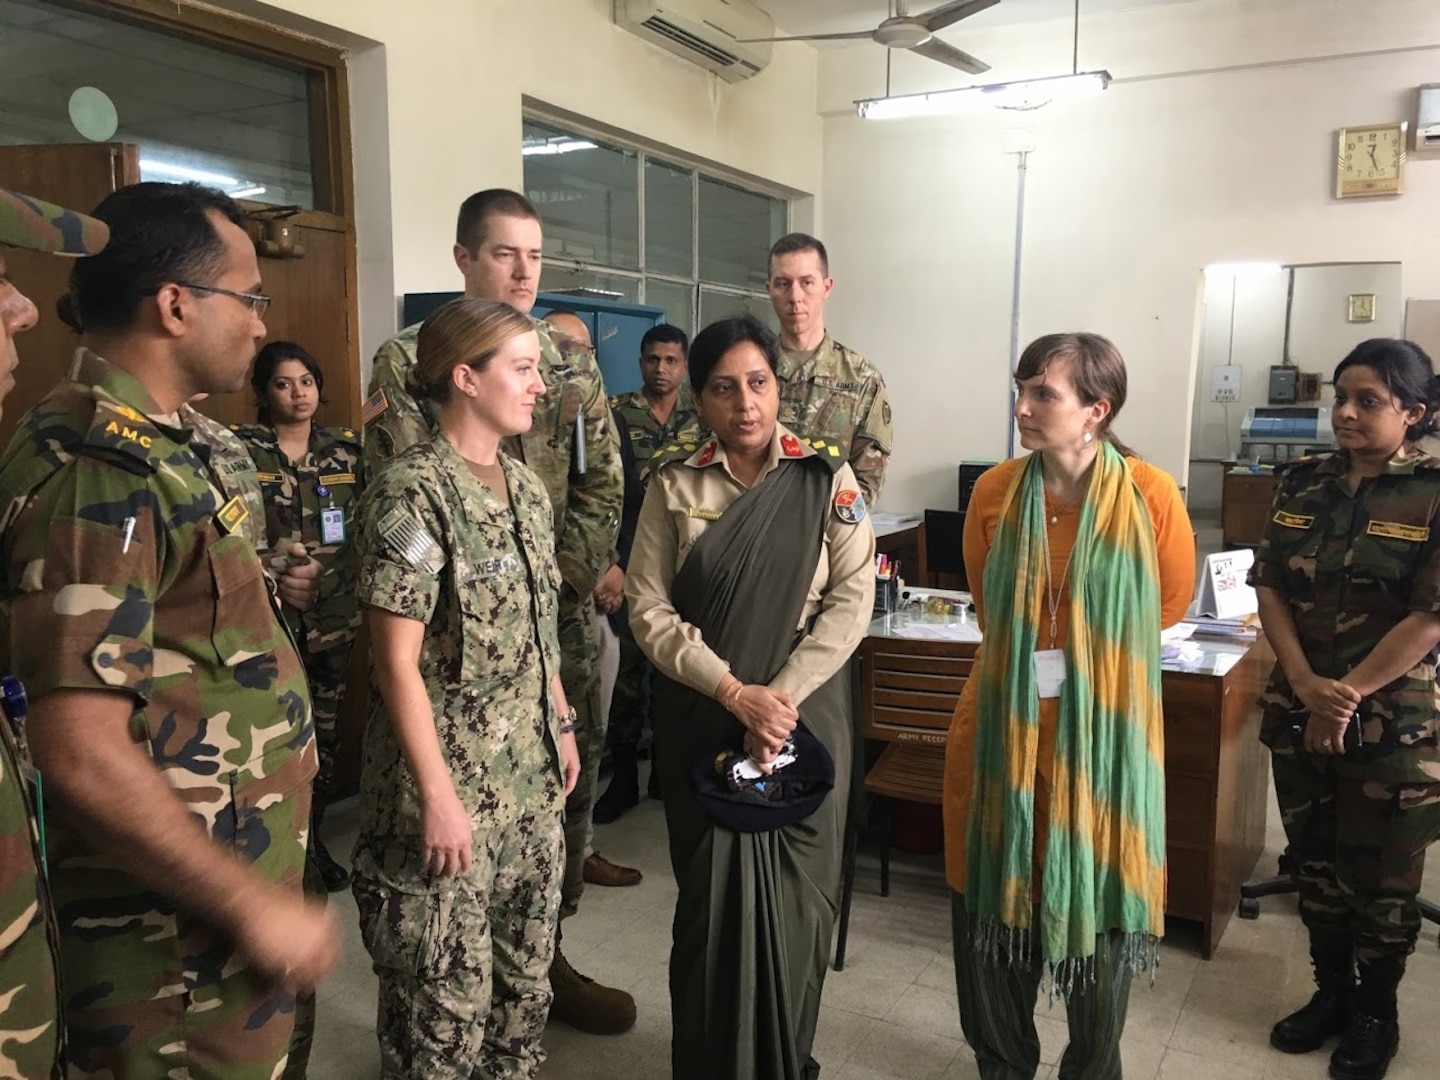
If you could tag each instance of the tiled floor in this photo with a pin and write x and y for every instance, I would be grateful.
(892, 1012)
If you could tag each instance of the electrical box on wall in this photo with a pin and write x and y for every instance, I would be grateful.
(1284, 385)
(1225, 383)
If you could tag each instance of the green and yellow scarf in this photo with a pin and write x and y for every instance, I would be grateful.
(1104, 867)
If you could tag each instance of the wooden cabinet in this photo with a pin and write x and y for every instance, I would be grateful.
(1245, 500)
(1216, 771)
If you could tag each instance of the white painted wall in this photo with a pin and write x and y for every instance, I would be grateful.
(454, 72)
(1179, 165)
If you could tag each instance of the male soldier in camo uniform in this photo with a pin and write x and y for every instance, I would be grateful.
(1348, 581)
(498, 250)
(657, 415)
(826, 390)
(30, 1023)
(169, 714)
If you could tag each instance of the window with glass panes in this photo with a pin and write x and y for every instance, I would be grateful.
(628, 225)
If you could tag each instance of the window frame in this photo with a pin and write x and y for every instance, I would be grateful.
(533, 111)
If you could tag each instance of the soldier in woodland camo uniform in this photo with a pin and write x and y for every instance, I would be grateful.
(1349, 579)
(31, 1028)
(663, 371)
(311, 501)
(169, 710)
(468, 550)
(572, 448)
(827, 391)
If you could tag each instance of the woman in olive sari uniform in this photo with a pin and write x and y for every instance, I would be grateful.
(751, 582)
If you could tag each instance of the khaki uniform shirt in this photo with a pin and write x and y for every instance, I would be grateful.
(682, 500)
(836, 394)
(435, 545)
(127, 569)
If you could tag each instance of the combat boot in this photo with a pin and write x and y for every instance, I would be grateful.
(624, 789)
(1329, 1010)
(1373, 1034)
(586, 1005)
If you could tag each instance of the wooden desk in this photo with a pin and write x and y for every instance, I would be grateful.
(1216, 771)
(1245, 500)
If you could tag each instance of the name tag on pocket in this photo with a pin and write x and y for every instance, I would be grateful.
(1049, 672)
(332, 525)
(1394, 530)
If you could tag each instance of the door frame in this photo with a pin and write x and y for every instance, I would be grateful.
(331, 146)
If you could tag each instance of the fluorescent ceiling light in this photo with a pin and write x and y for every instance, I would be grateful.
(247, 192)
(164, 168)
(1028, 94)
(1244, 269)
(557, 147)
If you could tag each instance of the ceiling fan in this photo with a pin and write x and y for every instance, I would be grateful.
(917, 33)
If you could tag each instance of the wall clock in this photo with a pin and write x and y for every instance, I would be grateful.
(1371, 160)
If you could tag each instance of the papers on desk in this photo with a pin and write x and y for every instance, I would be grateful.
(894, 522)
(937, 631)
(890, 524)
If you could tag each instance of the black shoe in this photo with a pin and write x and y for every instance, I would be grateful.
(1310, 1026)
(1366, 1047)
(624, 789)
(335, 876)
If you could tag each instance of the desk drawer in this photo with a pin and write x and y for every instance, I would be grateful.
(1187, 893)
(1190, 811)
(1192, 727)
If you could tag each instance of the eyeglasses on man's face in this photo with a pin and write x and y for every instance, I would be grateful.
(259, 303)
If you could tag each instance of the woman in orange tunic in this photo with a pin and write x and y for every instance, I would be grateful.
(1069, 388)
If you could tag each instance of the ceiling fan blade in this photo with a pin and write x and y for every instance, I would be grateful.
(935, 49)
(937, 19)
(854, 35)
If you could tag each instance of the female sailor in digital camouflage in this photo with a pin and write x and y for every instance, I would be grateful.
(311, 477)
(1348, 578)
(470, 748)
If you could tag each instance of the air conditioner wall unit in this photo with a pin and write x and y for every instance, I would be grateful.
(705, 32)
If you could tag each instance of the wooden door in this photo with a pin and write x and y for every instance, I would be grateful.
(313, 304)
(77, 177)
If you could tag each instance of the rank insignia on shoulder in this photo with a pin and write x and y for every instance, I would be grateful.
(374, 406)
(232, 515)
(850, 506)
(820, 446)
(705, 514)
(790, 446)
(1293, 521)
(1395, 530)
(412, 541)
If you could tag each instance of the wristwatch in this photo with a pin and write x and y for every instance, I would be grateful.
(568, 719)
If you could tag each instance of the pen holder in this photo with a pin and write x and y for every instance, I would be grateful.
(887, 596)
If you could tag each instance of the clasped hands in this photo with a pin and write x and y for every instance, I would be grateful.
(768, 715)
(1332, 705)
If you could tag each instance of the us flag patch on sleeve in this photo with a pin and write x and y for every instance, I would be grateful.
(374, 406)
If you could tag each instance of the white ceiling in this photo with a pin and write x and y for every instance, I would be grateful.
(838, 16)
